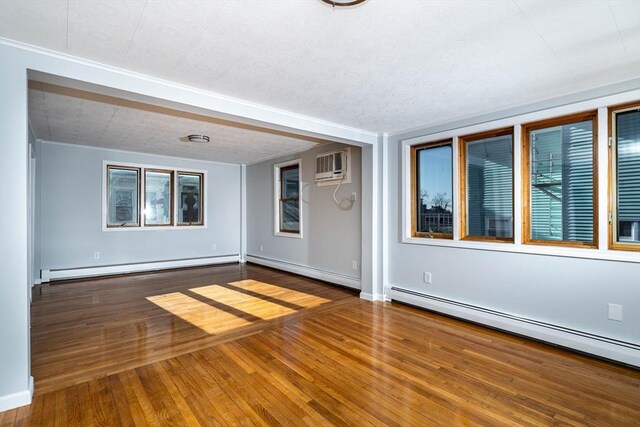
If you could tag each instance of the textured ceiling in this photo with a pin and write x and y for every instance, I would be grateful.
(385, 65)
(84, 118)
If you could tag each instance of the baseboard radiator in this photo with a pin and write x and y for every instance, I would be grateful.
(314, 273)
(106, 270)
(609, 348)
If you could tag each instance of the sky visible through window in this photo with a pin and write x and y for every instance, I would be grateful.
(435, 173)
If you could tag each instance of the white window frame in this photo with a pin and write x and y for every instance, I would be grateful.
(276, 198)
(517, 120)
(141, 207)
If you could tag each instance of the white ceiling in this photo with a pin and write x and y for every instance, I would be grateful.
(386, 65)
(85, 118)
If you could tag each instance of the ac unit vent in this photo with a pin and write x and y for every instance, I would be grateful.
(331, 165)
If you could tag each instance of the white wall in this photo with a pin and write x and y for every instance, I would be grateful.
(568, 289)
(331, 237)
(14, 275)
(70, 179)
(34, 230)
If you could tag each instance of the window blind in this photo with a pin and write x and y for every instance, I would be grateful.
(546, 184)
(490, 187)
(628, 167)
(578, 182)
(562, 183)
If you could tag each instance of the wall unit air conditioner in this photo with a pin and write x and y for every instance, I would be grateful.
(332, 165)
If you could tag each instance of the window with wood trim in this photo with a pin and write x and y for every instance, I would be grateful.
(288, 198)
(486, 186)
(432, 190)
(624, 191)
(190, 198)
(158, 197)
(123, 196)
(145, 197)
(559, 179)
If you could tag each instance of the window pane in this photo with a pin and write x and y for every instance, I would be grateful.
(122, 199)
(562, 182)
(290, 216)
(490, 187)
(434, 190)
(628, 176)
(290, 182)
(190, 209)
(157, 196)
(289, 199)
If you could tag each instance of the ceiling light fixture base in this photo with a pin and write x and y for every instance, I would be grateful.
(343, 3)
(200, 139)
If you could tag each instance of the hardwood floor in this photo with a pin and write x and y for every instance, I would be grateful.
(253, 346)
(82, 330)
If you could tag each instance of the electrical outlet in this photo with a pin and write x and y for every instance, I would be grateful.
(96, 255)
(426, 276)
(615, 312)
(354, 196)
(354, 264)
(214, 246)
(261, 248)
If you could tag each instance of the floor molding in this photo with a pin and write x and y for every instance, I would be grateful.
(371, 297)
(620, 351)
(77, 273)
(314, 273)
(15, 400)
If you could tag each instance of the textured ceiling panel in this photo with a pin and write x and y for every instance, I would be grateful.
(103, 30)
(41, 23)
(385, 65)
(56, 116)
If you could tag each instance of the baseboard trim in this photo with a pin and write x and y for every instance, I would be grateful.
(608, 348)
(314, 273)
(107, 270)
(15, 400)
(371, 297)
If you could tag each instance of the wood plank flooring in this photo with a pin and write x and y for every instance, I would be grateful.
(82, 330)
(253, 346)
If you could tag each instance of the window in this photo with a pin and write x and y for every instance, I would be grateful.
(190, 194)
(624, 220)
(123, 195)
(158, 197)
(287, 183)
(432, 184)
(559, 185)
(144, 197)
(486, 186)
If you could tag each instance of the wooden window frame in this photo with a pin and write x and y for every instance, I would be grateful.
(281, 171)
(591, 115)
(138, 222)
(178, 205)
(612, 184)
(172, 198)
(414, 189)
(463, 141)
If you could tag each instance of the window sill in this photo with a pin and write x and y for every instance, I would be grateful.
(155, 228)
(290, 235)
(624, 247)
(586, 253)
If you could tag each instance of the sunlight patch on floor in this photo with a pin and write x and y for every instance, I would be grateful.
(249, 304)
(231, 308)
(200, 314)
(283, 294)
